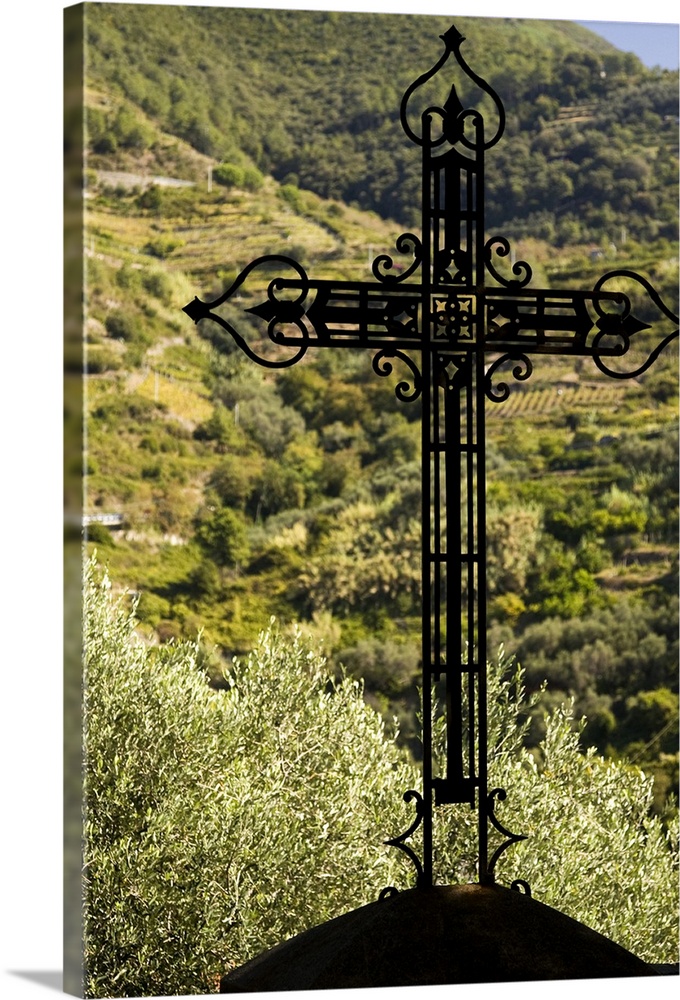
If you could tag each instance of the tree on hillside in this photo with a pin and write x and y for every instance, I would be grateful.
(221, 532)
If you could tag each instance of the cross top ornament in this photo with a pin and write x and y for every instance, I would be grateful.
(457, 327)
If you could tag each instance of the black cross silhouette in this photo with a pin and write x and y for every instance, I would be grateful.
(455, 334)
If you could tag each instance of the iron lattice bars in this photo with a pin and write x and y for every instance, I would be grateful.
(453, 467)
(452, 324)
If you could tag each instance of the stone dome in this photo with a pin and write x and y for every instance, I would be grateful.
(434, 936)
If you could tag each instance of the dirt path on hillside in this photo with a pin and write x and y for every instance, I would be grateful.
(125, 179)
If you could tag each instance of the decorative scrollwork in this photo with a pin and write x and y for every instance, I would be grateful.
(275, 311)
(452, 115)
(423, 78)
(521, 269)
(406, 243)
(404, 391)
(398, 842)
(521, 885)
(513, 838)
(624, 326)
(500, 127)
(521, 372)
(389, 890)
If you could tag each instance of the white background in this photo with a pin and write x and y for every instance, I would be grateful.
(30, 396)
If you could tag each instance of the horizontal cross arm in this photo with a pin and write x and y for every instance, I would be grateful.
(370, 314)
(547, 322)
(443, 319)
(301, 313)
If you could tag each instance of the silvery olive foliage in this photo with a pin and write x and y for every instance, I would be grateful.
(220, 822)
(593, 850)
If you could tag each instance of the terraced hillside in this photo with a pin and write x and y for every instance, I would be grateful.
(245, 494)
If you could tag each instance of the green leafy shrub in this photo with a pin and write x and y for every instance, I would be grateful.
(100, 535)
(271, 424)
(386, 666)
(128, 277)
(96, 130)
(162, 246)
(650, 711)
(220, 427)
(123, 325)
(252, 179)
(366, 559)
(222, 534)
(293, 196)
(232, 481)
(129, 130)
(229, 175)
(151, 608)
(158, 283)
(232, 175)
(100, 359)
(151, 198)
(204, 580)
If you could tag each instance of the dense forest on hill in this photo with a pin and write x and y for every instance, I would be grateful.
(591, 140)
(247, 495)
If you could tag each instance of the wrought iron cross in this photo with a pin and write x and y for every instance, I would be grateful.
(456, 324)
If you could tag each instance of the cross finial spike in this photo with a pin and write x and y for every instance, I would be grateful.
(196, 309)
(452, 38)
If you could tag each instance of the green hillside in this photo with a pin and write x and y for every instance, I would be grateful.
(245, 495)
(280, 91)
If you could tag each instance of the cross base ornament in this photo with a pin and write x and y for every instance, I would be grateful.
(457, 328)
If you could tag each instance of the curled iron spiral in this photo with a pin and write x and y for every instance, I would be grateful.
(521, 269)
(521, 372)
(274, 310)
(521, 885)
(452, 41)
(513, 838)
(398, 842)
(626, 325)
(406, 243)
(405, 391)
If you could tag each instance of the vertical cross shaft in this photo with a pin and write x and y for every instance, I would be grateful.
(454, 481)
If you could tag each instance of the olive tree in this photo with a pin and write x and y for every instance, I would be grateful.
(593, 850)
(220, 822)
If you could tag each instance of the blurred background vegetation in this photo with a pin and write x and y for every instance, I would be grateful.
(214, 136)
